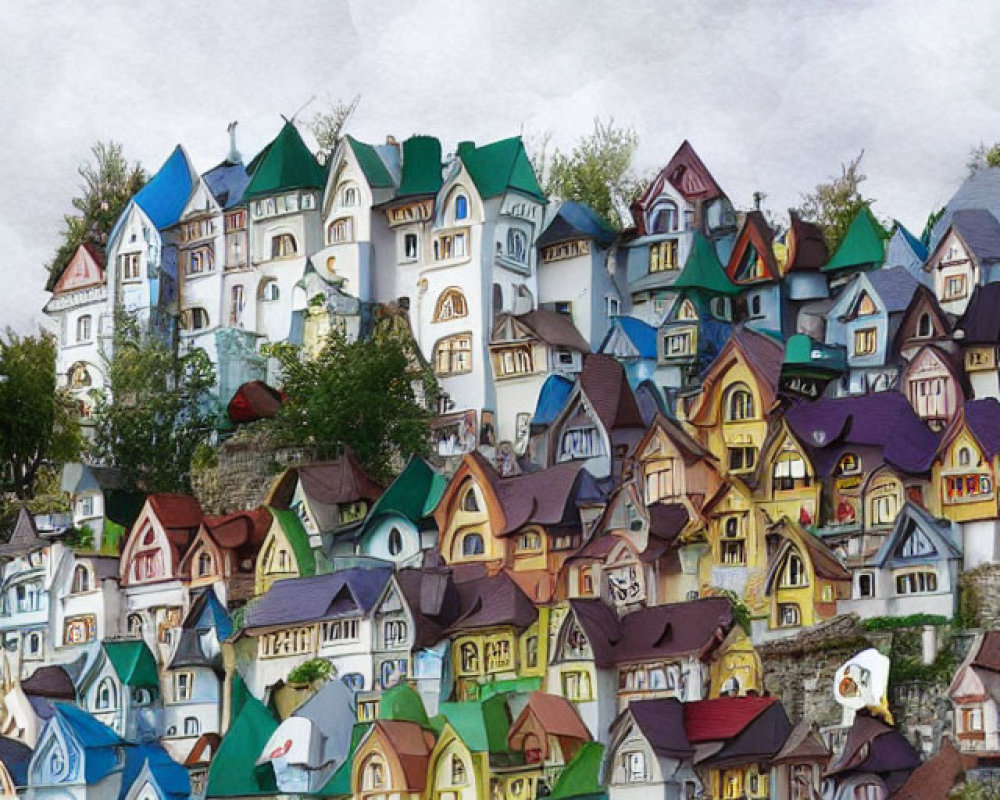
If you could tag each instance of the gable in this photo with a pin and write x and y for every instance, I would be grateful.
(619, 345)
(928, 362)
(148, 554)
(752, 259)
(915, 542)
(57, 759)
(202, 201)
(924, 319)
(951, 251)
(82, 272)
(863, 306)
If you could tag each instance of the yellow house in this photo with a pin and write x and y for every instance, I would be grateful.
(469, 515)
(285, 553)
(392, 760)
(965, 467)
(730, 415)
(737, 669)
(786, 479)
(459, 767)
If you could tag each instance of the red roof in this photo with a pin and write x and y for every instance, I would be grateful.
(240, 529)
(253, 401)
(722, 718)
(607, 388)
(180, 515)
(556, 715)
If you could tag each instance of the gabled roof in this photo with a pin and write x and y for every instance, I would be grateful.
(916, 247)
(169, 776)
(233, 772)
(988, 655)
(756, 232)
(548, 327)
(580, 778)
(764, 356)
(179, 514)
(980, 190)
(164, 197)
(544, 497)
(133, 662)
(374, 169)
(492, 601)
(606, 386)
(641, 334)
(100, 743)
(863, 245)
(555, 714)
(252, 401)
(824, 562)
(937, 776)
(348, 592)
(24, 538)
(412, 745)
(421, 173)
(413, 494)
(342, 480)
(979, 230)
(433, 601)
(807, 248)
(482, 725)
(552, 399)
(93, 261)
(703, 271)
(980, 324)
(895, 286)
(939, 531)
(402, 703)
(722, 718)
(982, 417)
(208, 613)
(500, 166)
(690, 449)
(687, 174)
(573, 221)
(662, 724)
(872, 746)
(51, 681)
(285, 164)
(227, 182)
(802, 745)
(242, 529)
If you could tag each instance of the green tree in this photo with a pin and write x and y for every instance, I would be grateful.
(38, 421)
(834, 204)
(373, 395)
(109, 182)
(327, 126)
(597, 171)
(158, 410)
(982, 156)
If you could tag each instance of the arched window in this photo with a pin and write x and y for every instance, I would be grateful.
(461, 207)
(340, 230)
(78, 376)
(924, 326)
(473, 545)
(665, 218)
(373, 774)
(964, 456)
(470, 502)
(195, 319)
(269, 291)
(789, 472)
(83, 328)
(794, 574)
(395, 542)
(107, 695)
(739, 403)
(134, 625)
(517, 245)
(470, 657)
(81, 579)
(191, 726)
(458, 773)
(204, 564)
(349, 196)
(450, 305)
(283, 246)
(453, 355)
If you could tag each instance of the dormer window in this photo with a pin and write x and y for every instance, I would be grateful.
(739, 404)
(924, 326)
(794, 573)
(204, 565)
(461, 207)
(665, 218)
(283, 246)
(349, 196)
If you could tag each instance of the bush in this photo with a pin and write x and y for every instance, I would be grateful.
(312, 670)
(912, 621)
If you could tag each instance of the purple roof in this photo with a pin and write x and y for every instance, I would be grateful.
(883, 420)
(493, 600)
(981, 324)
(980, 230)
(662, 723)
(983, 419)
(295, 600)
(543, 497)
(895, 286)
(887, 750)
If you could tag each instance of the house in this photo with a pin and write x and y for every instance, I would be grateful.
(924, 323)
(862, 249)
(964, 474)
(978, 334)
(28, 704)
(86, 601)
(974, 694)
(550, 733)
(575, 257)
(681, 199)
(797, 769)
(470, 736)
(785, 478)
(805, 254)
(865, 319)
(120, 687)
(633, 343)
(400, 525)
(285, 553)
(966, 256)
(324, 616)
(151, 774)
(914, 571)
(100, 505)
(310, 745)
(194, 676)
(524, 350)
(875, 762)
(810, 366)
(224, 554)
(754, 269)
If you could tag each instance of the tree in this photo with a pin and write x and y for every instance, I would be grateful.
(597, 171)
(328, 126)
(157, 411)
(109, 182)
(372, 395)
(982, 156)
(38, 421)
(834, 204)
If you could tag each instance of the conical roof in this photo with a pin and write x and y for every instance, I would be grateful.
(285, 164)
(863, 244)
(704, 271)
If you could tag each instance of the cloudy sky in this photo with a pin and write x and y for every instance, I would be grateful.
(773, 95)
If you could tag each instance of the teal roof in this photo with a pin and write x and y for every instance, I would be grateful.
(298, 538)
(704, 271)
(500, 166)
(414, 494)
(375, 170)
(421, 166)
(133, 663)
(285, 164)
(802, 353)
(863, 244)
(233, 772)
(482, 725)
(582, 775)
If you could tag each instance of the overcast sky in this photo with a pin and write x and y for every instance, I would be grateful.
(773, 95)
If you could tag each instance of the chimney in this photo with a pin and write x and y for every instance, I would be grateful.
(234, 156)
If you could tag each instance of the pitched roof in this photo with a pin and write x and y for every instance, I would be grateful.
(500, 166)
(802, 744)
(581, 776)
(241, 529)
(15, 756)
(552, 399)
(917, 247)
(227, 182)
(687, 174)
(412, 746)
(557, 716)
(298, 539)
(342, 480)
(170, 777)
(413, 494)
(347, 592)
(641, 334)
(936, 777)
(482, 725)
(980, 231)
(50, 681)
(374, 169)
(163, 199)
(604, 382)
(133, 662)
(24, 538)
(940, 531)
(863, 244)
(432, 599)
(980, 190)
(554, 329)
(402, 703)
(491, 601)
(102, 745)
(252, 401)
(988, 655)
(667, 520)
(895, 286)
(983, 419)
(980, 324)
(421, 173)
(723, 717)
(662, 724)
(179, 514)
(764, 354)
(233, 772)
(285, 164)
(807, 248)
(704, 271)
(573, 221)
(544, 497)
(873, 746)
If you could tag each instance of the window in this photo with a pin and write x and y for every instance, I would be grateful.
(580, 443)
(634, 766)
(394, 632)
(473, 545)
(410, 246)
(734, 550)
(742, 458)
(79, 630)
(865, 340)
(183, 684)
(866, 584)
(56, 763)
(34, 644)
(129, 266)
(868, 791)
(924, 326)
(449, 245)
(470, 657)
(965, 488)
(340, 630)
(665, 218)
(972, 720)
(453, 355)
(204, 564)
(134, 625)
(954, 287)
(200, 260)
(794, 573)
(83, 328)
(195, 319)
(916, 582)
(349, 196)
(789, 472)
(498, 655)
(470, 502)
(660, 483)
(517, 245)
(81, 579)
(107, 695)
(964, 457)
(613, 306)
(883, 503)
(450, 305)
(663, 256)
(461, 207)
(459, 775)
(269, 291)
(237, 300)
(283, 246)
(395, 543)
(789, 615)
(755, 306)
(529, 543)
(576, 686)
(514, 361)
(849, 464)
(191, 726)
(531, 652)
(866, 307)
(917, 544)
(373, 774)
(340, 230)
(739, 403)
(677, 344)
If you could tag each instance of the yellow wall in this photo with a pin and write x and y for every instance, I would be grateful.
(267, 571)
(737, 659)
(947, 464)
(461, 522)
(439, 772)
(716, 433)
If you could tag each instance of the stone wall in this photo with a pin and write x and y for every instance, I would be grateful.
(979, 595)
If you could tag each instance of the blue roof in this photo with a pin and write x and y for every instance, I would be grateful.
(98, 740)
(895, 286)
(15, 756)
(164, 197)
(211, 614)
(347, 592)
(641, 334)
(227, 183)
(918, 247)
(551, 399)
(170, 777)
(575, 221)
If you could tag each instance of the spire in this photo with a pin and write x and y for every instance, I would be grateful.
(234, 156)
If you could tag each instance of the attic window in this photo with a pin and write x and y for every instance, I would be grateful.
(349, 196)
(283, 246)
(473, 545)
(924, 326)
(964, 456)
(794, 573)
(665, 218)
(739, 404)
(954, 287)
(461, 207)
(395, 544)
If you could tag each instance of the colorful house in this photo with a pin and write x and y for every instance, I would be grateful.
(285, 553)
(797, 769)
(754, 269)
(470, 736)
(862, 249)
(120, 687)
(975, 693)
(875, 762)
(978, 335)
(966, 256)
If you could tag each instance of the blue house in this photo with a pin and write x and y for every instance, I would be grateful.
(754, 269)
(151, 774)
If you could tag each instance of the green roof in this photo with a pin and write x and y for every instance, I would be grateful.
(581, 777)
(298, 538)
(285, 164)
(523, 685)
(401, 702)
(371, 164)
(482, 725)
(414, 494)
(233, 773)
(863, 244)
(340, 784)
(499, 166)
(133, 663)
(801, 352)
(704, 271)
(421, 166)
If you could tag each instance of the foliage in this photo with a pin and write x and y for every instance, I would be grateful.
(312, 670)
(983, 156)
(372, 395)
(38, 421)
(81, 538)
(327, 126)
(159, 409)
(741, 611)
(905, 653)
(109, 182)
(597, 171)
(969, 606)
(911, 621)
(982, 788)
(834, 204)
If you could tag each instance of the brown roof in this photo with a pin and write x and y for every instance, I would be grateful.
(24, 538)
(988, 656)
(556, 715)
(806, 246)
(667, 520)
(53, 682)
(493, 601)
(412, 745)
(764, 354)
(874, 746)
(936, 777)
(243, 528)
(433, 601)
(553, 328)
(604, 382)
(341, 480)
(689, 447)
(757, 232)
(543, 497)
(802, 744)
